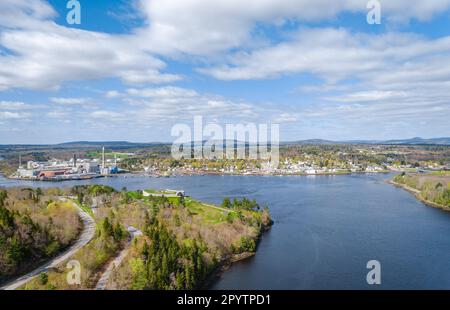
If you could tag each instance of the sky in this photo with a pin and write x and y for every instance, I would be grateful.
(131, 70)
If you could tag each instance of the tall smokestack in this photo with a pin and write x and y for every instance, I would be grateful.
(74, 160)
(103, 157)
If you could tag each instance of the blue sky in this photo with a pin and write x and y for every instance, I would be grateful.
(133, 69)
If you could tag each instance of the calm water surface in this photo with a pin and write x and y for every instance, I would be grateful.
(326, 230)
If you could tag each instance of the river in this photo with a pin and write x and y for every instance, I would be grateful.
(326, 230)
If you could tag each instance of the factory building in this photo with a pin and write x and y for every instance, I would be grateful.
(74, 168)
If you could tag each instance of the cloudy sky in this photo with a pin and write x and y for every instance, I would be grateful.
(133, 69)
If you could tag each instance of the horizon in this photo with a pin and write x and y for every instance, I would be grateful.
(356, 141)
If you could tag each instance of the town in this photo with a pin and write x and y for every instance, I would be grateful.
(79, 163)
(304, 160)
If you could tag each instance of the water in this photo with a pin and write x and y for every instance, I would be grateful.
(326, 230)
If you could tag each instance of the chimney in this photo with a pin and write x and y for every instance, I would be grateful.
(103, 157)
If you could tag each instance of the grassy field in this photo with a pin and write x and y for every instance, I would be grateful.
(208, 214)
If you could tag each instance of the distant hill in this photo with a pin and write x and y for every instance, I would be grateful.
(312, 142)
(412, 141)
(130, 145)
(420, 141)
(107, 144)
(114, 145)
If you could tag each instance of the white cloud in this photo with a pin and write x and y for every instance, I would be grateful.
(163, 92)
(332, 54)
(175, 103)
(43, 55)
(45, 59)
(6, 115)
(106, 115)
(286, 118)
(203, 27)
(382, 78)
(113, 94)
(59, 114)
(367, 96)
(15, 105)
(394, 77)
(24, 13)
(70, 101)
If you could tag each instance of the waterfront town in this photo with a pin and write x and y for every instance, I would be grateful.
(287, 167)
(294, 160)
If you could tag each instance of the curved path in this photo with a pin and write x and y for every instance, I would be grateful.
(86, 236)
(101, 284)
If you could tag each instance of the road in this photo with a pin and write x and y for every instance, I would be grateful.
(101, 284)
(85, 237)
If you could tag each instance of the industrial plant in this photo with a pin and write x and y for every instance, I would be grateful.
(73, 169)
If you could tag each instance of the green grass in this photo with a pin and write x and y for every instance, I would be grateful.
(133, 195)
(174, 200)
(210, 215)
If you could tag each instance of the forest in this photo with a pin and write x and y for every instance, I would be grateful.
(183, 241)
(432, 187)
(34, 226)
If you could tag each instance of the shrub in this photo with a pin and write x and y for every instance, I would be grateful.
(43, 278)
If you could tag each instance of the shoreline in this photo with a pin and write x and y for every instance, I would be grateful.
(223, 267)
(227, 263)
(139, 174)
(416, 193)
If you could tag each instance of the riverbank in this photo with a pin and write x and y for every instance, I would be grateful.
(254, 173)
(222, 267)
(418, 196)
(227, 263)
(140, 174)
(60, 179)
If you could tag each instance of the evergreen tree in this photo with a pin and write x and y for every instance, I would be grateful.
(226, 203)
